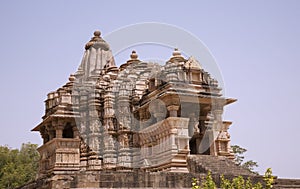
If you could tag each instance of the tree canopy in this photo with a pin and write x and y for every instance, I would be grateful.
(18, 166)
(239, 158)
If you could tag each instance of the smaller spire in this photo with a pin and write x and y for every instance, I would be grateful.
(72, 78)
(133, 58)
(133, 55)
(176, 52)
(176, 55)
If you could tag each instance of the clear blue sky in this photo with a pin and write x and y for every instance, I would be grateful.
(255, 43)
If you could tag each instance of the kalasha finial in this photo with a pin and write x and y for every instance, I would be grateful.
(97, 40)
(176, 52)
(176, 56)
(97, 33)
(133, 58)
(133, 55)
(72, 78)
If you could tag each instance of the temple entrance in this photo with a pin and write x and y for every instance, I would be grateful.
(195, 142)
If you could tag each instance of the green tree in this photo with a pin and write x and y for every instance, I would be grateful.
(18, 166)
(250, 165)
(239, 158)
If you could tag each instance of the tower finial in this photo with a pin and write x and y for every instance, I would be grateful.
(133, 55)
(97, 42)
(97, 33)
(176, 55)
(176, 52)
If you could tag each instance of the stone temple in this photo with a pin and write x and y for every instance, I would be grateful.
(140, 125)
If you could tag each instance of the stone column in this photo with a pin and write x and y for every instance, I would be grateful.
(125, 153)
(109, 153)
(159, 143)
(75, 131)
(59, 127)
(94, 123)
(173, 110)
(82, 108)
(173, 132)
(44, 134)
(217, 112)
(51, 131)
(123, 112)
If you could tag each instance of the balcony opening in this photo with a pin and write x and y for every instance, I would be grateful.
(68, 131)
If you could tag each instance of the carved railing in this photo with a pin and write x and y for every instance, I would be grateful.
(60, 154)
(165, 144)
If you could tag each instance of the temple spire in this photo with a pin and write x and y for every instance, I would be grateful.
(97, 57)
(133, 58)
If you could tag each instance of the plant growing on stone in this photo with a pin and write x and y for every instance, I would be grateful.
(209, 182)
(248, 184)
(269, 178)
(238, 182)
(225, 183)
(195, 184)
(258, 186)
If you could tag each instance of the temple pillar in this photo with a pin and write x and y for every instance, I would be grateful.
(59, 133)
(59, 127)
(216, 126)
(173, 110)
(76, 133)
(44, 135)
(51, 132)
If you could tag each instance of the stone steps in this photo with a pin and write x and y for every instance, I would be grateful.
(287, 183)
(286, 186)
(216, 165)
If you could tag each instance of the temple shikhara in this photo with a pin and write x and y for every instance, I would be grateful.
(138, 125)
